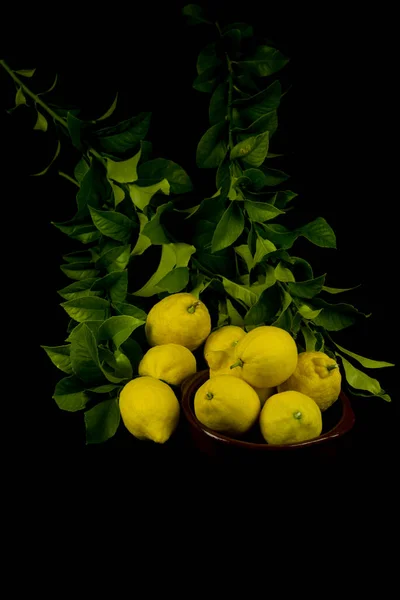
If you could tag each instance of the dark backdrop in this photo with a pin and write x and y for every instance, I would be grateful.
(335, 129)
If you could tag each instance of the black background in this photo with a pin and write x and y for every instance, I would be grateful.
(336, 127)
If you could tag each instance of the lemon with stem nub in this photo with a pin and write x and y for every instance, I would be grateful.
(290, 417)
(227, 404)
(219, 349)
(266, 357)
(178, 319)
(316, 375)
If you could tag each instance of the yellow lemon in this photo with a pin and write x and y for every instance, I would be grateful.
(316, 375)
(227, 404)
(263, 393)
(170, 362)
(266, 356)
(219, 350)
(290, 417)
(149, 409)
(178, 319)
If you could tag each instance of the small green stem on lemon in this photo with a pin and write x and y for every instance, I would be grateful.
(238, 363)
(331, 367)
(297, 415)
(209, 396)
(192, 308)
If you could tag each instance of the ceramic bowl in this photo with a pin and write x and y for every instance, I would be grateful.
(338, 420)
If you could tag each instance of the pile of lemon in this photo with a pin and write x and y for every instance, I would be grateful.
(255, 376)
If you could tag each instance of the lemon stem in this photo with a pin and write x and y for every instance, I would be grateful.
(331, 367)
(192, 308)
(238, 363)
(297, 415)
(209, 396)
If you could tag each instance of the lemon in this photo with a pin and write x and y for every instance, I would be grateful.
(290, 417)
(264, 393)
(227, 404)
(219, 350)
(149, 409)
(316, 375)
(178, 319)
(170, 362)
(267, 356)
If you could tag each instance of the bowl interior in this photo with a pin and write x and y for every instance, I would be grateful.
(336, 421)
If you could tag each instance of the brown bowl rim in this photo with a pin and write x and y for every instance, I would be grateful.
(192, 383)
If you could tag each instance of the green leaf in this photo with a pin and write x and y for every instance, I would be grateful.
(26, 72)
(104, 389)
(235, 318)
(263, 248)
(167, 263)
(265, 309)
(125, 308)
(246, 31)
(92, 325)
(60, 357)
(332, 290)
(102, 421)
(51, 88)
(268, 122)
(124, 136)
(207, 58)
(141, 196)
(116, 283)
(318, 232)
(282, 198)
(79, 289)
(195, 14)
(212, 147)
(154, 171)
(206, 81)
(365, 362)
(20, 98)
(361, 381)
(261, 211)
(265, 61)
(79, 256)
(274, 176)
(90, 308)
(119, 194)
(118, 329)
(57, 152)
(115, 258)
(252, 150)
(94, 190)
(307, 289)
(70, 395)
(134, 352)
(75, 129)
(175, 281)
(110, 111)
(154, 230)
(79, 271)
(84, 356)
(254, 107)
(283, 274)
(244, 252)
(81, 169)
(217, 109)
(240, 292)
(113, 225)
(124, 171)
(41, 123)
(256, 178)
(308, 312)
(309, 339)
(229, 228)
(334, 317)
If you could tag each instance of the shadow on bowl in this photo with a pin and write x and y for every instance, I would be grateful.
(338, 420)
